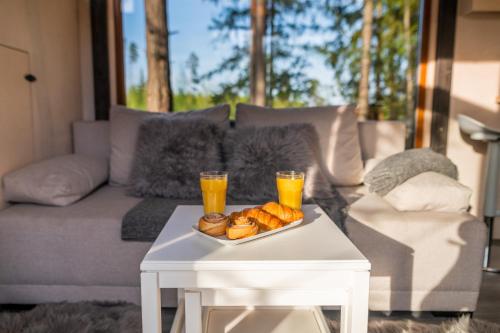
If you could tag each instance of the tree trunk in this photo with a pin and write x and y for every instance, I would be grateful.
(377, 63)
(363, 100)
(272, 40)
(409, 57)
(159, 89)
(257, 56)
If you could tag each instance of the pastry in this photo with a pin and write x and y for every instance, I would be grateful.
(284, 213)
(241, 228)
(265, 221)
(213, 224)
(234, 216)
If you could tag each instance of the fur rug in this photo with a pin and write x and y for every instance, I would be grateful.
(95, 317)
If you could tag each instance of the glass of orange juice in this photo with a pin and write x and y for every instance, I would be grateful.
(290, 185)
(213, 187)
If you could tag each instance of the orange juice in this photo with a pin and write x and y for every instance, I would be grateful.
(290, 185)
(213, 187)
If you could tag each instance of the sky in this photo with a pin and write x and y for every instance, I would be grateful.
(188, 22)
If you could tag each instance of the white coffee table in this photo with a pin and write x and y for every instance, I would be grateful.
(311, 265)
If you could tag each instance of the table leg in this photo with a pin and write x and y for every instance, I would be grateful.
(193, 321)
(180, 296)
(354, 314)
(151, 303)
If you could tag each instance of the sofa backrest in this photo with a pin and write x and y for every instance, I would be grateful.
(91, 138)
(378, 139)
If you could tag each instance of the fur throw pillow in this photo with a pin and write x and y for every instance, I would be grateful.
(170, 154)
(253, 155)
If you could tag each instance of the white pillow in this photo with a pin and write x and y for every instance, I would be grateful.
(58, 181)
(430, 191)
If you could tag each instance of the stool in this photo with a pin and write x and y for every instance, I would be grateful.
(480, 132)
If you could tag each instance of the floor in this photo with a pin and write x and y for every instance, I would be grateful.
(489, 297)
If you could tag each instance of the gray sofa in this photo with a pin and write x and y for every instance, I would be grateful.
(420, 260)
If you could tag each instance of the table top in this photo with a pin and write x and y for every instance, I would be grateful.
(316, 244)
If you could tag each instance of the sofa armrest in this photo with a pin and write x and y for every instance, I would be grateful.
(419, 251)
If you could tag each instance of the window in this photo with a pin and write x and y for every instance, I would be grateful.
(196, 53)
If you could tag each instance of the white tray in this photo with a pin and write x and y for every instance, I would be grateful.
(226, 241)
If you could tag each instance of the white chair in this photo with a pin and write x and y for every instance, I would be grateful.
(480, 132)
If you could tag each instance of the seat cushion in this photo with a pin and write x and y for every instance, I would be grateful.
(422, 252)
(73, 245)
(337, 130)
(124, 129)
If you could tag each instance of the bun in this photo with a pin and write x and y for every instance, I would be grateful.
(242, 227)
(284, 213)
(213, 224)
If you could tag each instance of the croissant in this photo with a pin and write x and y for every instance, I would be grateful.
(284, 213)
(265, 221)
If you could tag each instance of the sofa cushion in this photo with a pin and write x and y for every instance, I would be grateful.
(398, 168)
(124, 129)
(91, 138)
(74, 245)
(430, 191)
(381, 138)
(71, 253)
(58, 181)
(171, 153)
(337, 130)
(253, 155)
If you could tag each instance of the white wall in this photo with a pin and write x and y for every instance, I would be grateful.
(50, 31)
(474, 89)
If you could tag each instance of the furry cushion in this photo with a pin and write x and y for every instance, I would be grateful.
(170, 154)
(124, 129)
(337, 128)
(254, 154)
(398, 168)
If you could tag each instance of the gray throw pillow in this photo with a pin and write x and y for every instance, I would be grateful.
(398, 168)
(59, 181)
(124, 129)
(253, 155)
(171, 152)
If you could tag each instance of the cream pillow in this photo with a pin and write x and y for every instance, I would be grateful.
(430, 191)
(59, 181)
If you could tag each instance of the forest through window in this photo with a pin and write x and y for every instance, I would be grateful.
(187, 54)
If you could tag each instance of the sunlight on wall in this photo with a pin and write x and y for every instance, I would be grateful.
(475, 87)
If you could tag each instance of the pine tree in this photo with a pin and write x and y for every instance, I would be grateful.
(159, 88)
